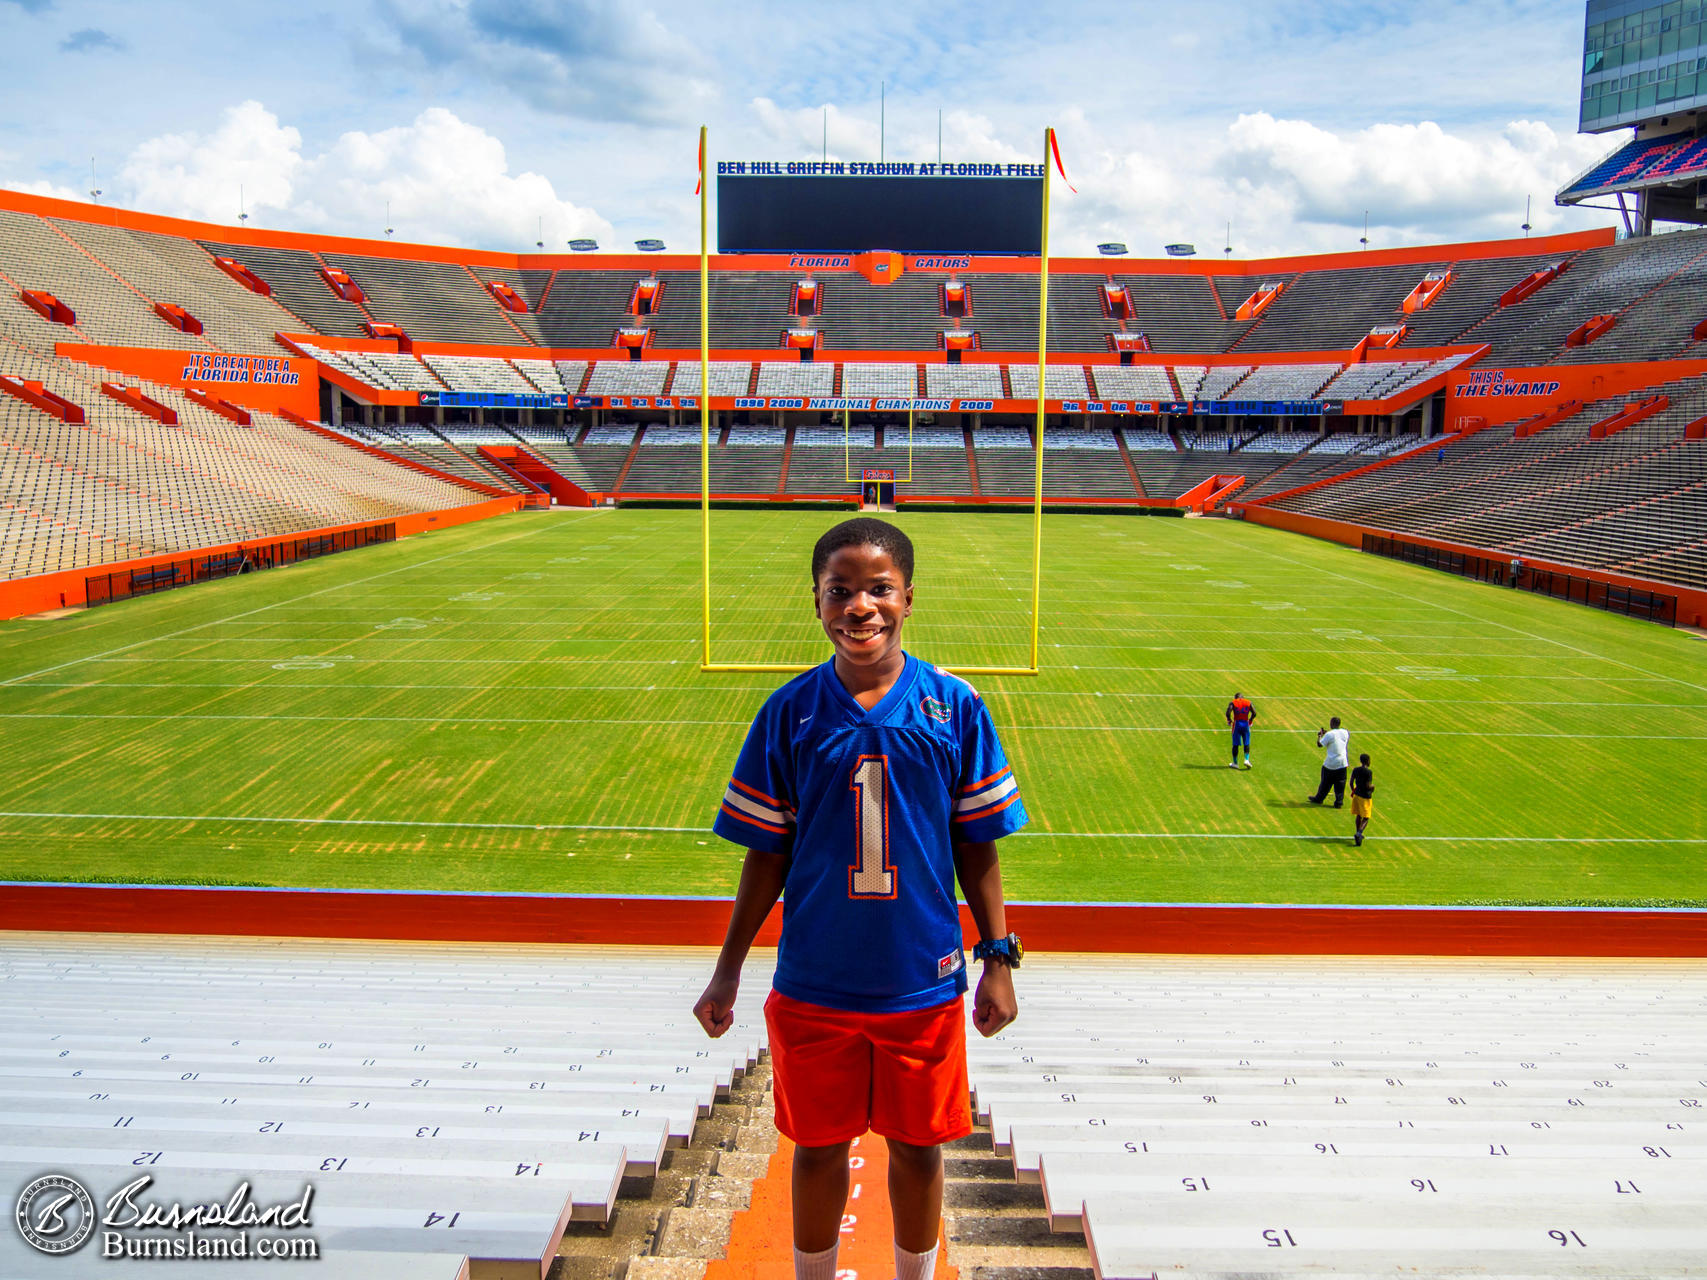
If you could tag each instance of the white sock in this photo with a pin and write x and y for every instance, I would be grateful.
(816, 1266)
(915, 1266)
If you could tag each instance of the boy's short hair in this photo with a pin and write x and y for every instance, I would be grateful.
(1363, 759)
(1334, 722)
(863, 531)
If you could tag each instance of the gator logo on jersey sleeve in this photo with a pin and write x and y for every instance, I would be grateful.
(941, 712)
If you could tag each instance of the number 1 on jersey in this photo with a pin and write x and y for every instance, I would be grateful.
(871, 876)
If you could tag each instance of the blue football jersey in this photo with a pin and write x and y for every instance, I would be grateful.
(868, 806)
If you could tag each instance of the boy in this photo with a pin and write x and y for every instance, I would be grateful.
(1362, 796)
(1334, 742)
(1241, 715)
(865, 787)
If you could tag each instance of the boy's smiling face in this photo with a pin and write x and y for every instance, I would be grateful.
(862, 599)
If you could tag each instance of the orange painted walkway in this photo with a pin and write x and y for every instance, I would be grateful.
(761, 1240)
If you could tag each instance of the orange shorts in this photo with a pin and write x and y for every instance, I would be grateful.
(838, 1074)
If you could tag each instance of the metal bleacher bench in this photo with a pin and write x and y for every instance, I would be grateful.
(1212, 1117)
(458, 1104)
(147, 578)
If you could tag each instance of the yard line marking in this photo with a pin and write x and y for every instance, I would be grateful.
(607, 826)
(614, 661)
(1215, 730)
(532, 533)
(389, 637)
(718, 690)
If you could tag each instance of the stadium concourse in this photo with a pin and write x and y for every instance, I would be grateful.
(505, 1086)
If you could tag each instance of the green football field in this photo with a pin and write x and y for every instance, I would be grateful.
(516, 705)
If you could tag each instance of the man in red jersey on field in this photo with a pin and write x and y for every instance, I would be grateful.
(1241, 715)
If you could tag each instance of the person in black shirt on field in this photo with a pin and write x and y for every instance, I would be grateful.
(1362, 796)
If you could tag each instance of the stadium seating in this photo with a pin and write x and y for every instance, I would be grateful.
(112, 275)
(1285, 381)
(591, 1072)
(478, 373)
(728, 378)
(572, 373)
(1098, 438)
(1176, 313)
(1144, 382)
(1061, 382)
(36, 254)
(965, 381)
(170, 269)
(544, 377)
(930, 438)
(1219, 383)
(880, 380)
(432, 301)
(628, 378)
(120, 486)
(1139, 438)
(393, 370)
(1331, 310)
(297, 287)
(1438, 1117)
(1624, 502)
(1168, 475)
(1190, 379)
(794, 379)
(1280, 442)
(1371, 381)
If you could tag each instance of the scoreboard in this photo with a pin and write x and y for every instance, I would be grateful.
(924, 209)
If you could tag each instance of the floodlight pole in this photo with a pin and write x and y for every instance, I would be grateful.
(704, 410)
(1042, 389)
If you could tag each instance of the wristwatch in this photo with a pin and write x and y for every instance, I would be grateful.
(1009, 950)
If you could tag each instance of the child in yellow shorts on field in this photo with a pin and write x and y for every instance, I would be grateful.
(1362, 796)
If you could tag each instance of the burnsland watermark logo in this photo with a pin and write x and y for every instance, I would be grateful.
(56, 1215)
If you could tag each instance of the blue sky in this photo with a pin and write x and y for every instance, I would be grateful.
(493, 123)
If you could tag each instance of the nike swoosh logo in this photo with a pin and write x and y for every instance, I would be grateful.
(804, 719)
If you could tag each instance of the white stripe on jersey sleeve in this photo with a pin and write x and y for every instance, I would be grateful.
(746, 804)
(989, 795)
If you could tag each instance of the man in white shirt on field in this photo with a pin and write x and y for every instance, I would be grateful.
(1336, 744)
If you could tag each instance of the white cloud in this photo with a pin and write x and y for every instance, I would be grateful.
(609, 60)
(1290, 186)
(447, 181)
(799, 133)
(196, 175)
(1406, 175)
(42, 187)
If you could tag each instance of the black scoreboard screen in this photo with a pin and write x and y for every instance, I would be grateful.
(935, 213)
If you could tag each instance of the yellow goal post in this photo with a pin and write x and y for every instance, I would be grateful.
(707, 663)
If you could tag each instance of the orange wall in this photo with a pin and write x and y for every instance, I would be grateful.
(1585, 382)
(23, 596)
(1207, 929)
(170, 368)
(1691, 604)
